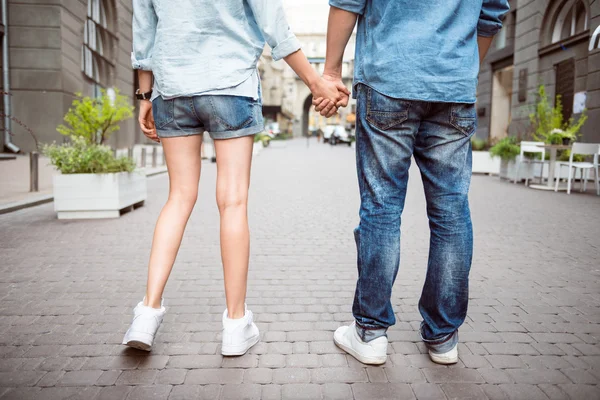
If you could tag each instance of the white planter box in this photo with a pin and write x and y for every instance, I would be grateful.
(79, 196)
(258, 146)
(484, 163)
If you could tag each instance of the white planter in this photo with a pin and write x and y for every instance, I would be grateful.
(79, 196)
(484, 163)
(258, 146)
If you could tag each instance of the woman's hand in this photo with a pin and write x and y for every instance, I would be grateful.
(325, 101)
(146, 120)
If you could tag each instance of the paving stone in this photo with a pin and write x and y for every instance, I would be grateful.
(75, 393)
(50, 379)
(114, 392)
(382, 391)
(427, 391)
(338, 375)
(300, 392)
(503, 362)
(510, 348)
(537, 376)
(474, 361)
(302, 360)
(137, 377)
(463, 391)
(546, 362)
(495, 376)
(154, 392)
(258, 375)
(108, 378)
(171, 376)
(197, 361)
(494, 392)
(376, 374)
(271, 361)
(20, 378)
(521, 391)
(581, 391)
(553, 392)
(404, 375)
(207, 376)
(291, 375)
(580, 376)
(333, 360)
(452, 375)
(245, 361)
(242, 392)
(336, 391)
(196, 392)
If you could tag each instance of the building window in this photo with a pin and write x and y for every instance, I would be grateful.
(99, 43)
(571, 19)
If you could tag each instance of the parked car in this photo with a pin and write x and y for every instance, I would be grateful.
(327, 132)
(341, 135)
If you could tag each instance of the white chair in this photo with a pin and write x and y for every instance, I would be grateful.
(586, 149)
(531, 147)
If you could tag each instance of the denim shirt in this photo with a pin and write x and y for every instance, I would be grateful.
(197, 46)
(422, 49)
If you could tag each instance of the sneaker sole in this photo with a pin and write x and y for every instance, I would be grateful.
(139, 341)
(240, 350)
(362, 359)
(443, 360)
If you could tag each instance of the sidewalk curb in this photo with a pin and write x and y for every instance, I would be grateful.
(49, 198)
(20, 205)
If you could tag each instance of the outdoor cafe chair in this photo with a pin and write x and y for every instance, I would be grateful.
(587, 149)
(531, 147)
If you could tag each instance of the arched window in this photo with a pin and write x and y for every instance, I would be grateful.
(99, 43)
(571, 19)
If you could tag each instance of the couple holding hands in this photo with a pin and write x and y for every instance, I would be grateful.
(416, 69)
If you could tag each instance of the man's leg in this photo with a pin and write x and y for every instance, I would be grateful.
(385, 133)
(443, 154)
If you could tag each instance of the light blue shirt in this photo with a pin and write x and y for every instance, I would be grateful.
(422, 49)
(202, 46)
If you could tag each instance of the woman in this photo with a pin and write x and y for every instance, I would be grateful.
(202, 56)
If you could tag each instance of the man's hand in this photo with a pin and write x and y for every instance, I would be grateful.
(325, 107)
(330, 93)
(146, 120)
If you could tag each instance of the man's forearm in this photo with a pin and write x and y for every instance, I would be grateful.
(145, 80)
(484, 44)
(339, 29)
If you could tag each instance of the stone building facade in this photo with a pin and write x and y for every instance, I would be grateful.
(59, 48)
(548, 42)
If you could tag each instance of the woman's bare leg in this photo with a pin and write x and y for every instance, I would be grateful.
(183, 162)
(234, 159)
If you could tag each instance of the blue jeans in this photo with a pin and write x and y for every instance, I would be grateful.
(389, 132)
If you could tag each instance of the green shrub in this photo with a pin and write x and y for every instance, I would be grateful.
(95, 119)
(81, 157)
(282, 136)
(507, 148)
(479, 144)
(547, 121)
(566, 154)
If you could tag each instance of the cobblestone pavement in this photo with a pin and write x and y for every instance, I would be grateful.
(67, 289)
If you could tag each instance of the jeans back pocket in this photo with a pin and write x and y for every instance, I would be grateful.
(163, 111)
(464, 118)
(385, 112)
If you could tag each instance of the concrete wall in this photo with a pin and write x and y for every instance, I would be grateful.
(45, 41)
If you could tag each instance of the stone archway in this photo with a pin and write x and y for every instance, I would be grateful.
(306, 115)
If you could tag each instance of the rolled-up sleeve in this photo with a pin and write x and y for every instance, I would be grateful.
(353, 6)
(490, 19)
(274, 27)
(144, 32)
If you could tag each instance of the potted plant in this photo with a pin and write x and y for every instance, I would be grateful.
(548, 121)
(507, 150)
(93, 182)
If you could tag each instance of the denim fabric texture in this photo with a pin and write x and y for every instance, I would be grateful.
(389, 132)
(195, 46)
(422, 50)
(224, 117)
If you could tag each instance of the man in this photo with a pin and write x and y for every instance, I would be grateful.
(415, 80)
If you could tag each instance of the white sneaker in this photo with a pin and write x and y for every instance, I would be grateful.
(450, 357)
(373, 352)
(146, 321)
(238, 334)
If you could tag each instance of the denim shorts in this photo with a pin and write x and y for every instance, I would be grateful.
(222, 116)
